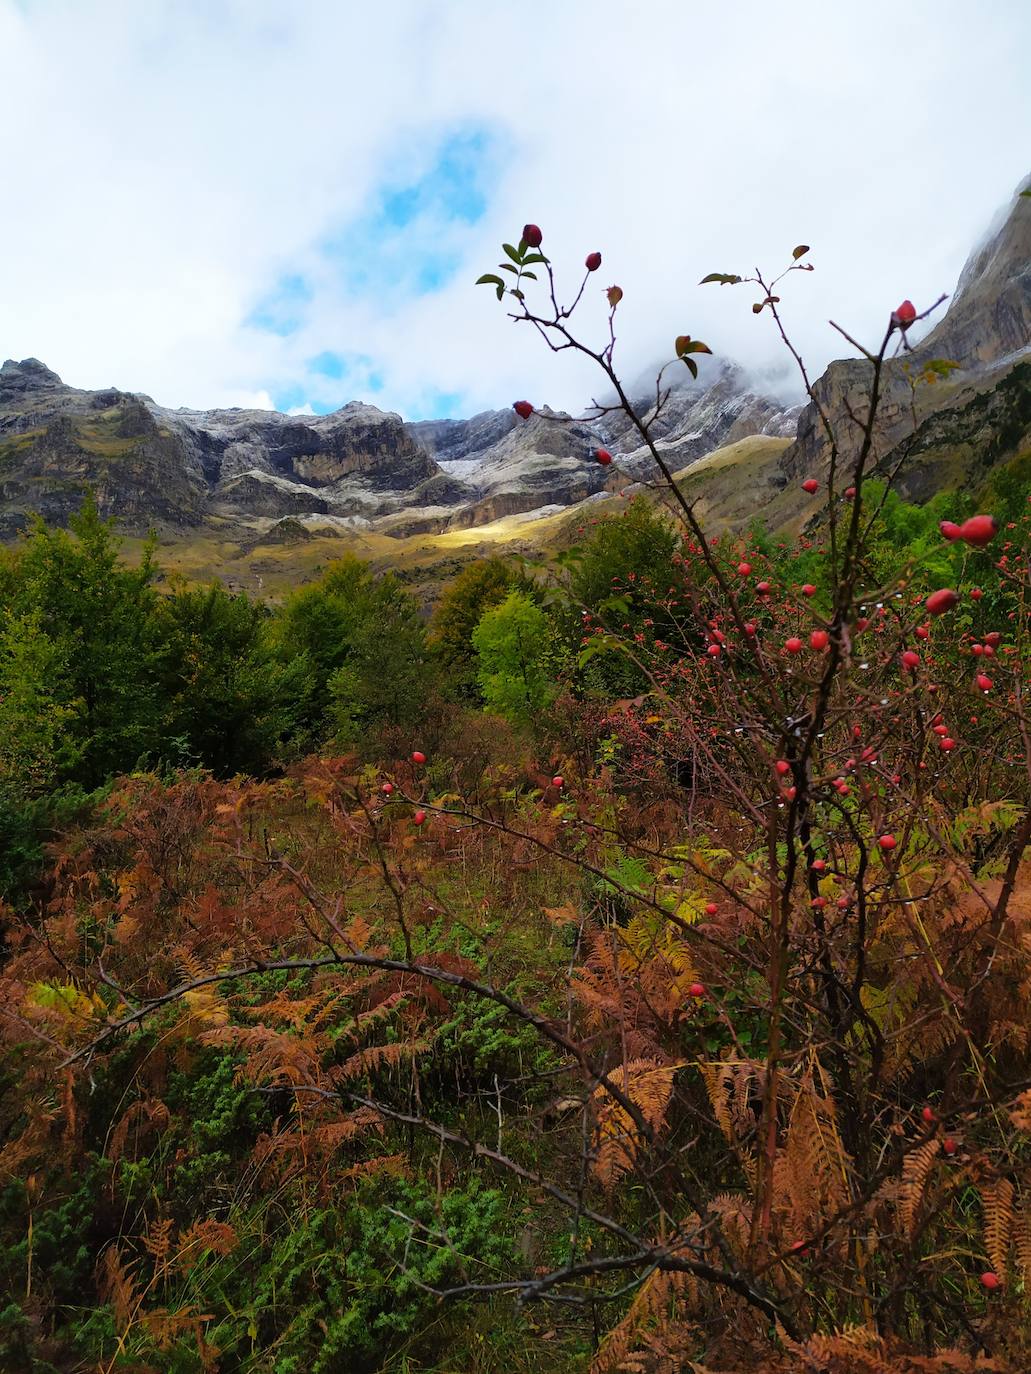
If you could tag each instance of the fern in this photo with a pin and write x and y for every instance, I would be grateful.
(997, 1202)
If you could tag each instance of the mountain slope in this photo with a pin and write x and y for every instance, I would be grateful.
(985, 331)
(357, 468)
(358, 471)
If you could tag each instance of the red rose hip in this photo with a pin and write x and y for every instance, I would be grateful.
(979, 530)
(941, 601)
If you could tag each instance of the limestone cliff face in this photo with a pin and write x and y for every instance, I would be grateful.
(148, 463)
(985, 331)
(505, 465)
(361, 467)
(55, 441)
(959, 446)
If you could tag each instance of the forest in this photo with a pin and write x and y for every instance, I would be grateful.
(622, 967)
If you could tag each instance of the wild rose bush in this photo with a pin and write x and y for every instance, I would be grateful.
(729, 994)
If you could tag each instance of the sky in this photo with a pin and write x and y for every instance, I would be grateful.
(259, 203)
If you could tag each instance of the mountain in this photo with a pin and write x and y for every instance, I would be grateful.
(985, 332)
(149, 463)
(361, 471)
(357, 468)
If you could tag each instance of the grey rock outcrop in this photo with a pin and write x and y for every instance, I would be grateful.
(362, 468)
(985, 332)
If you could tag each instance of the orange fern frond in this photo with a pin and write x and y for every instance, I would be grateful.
(997, 1199)
(916, 1170)
(649, 1085)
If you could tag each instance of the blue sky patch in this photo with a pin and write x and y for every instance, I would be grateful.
(410, 240)
(281, 311)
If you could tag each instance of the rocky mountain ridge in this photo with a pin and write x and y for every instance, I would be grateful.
(982, 335)
(360, 468)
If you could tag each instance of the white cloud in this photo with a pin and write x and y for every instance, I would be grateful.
(165, 164)
(248, 400)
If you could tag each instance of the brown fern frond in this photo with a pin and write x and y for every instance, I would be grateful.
(734, 1211)
(157, 1240)
(812, 1173)
(396, 1165)
(365, 1020)
(203, 1237)
(270, 1057)
(149, 1118)
(618, 1352)
(117, 1286)
(916, 1170)
(617, 1142)
(717, 1078)
(997, 1198)
(375, 1057)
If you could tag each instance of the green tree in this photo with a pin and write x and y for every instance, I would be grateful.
(476, 589)
(36, 747)
(518, 659)
(622, 575)
(631, 550)
(232, 699)
(96, 646)
(365, 644)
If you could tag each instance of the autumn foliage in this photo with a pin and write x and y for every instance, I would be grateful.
(676, 1021)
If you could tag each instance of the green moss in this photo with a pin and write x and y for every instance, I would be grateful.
(18, 445)
(101, 438)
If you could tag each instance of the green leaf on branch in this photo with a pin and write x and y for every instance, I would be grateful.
(800, 251)
(691, 365)
(516, 254)
(617, 604)
(604, 644)
(724, 279)
(938, 367)
(489, 279)
(507, 267)
(533, 257)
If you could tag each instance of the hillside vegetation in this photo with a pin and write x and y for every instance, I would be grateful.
(623, 970)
